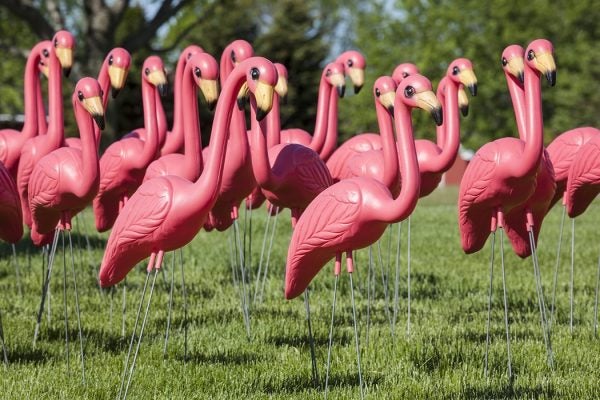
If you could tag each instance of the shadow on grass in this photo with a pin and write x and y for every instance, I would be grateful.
(302, 341)
(27, 355)
(301, 382)
(223, 358)
(507, 391)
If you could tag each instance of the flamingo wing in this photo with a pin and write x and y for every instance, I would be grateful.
(322, 231)
(43, 193)
(134, 233)
(311, 171)
(584, 178)
(11, 228)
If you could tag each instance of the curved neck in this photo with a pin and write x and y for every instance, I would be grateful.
(261, 167)
(192, 158)
(42, 124)
(89, 152)
(161, 119)
(451, 128)
(403, 206)
(208, 185)
(150, 150)
(517, 96)
(332, 126)
(31, 96)
(534, 128)
(320, 133)
(388, 144)
(274, 123)
(56, 125)
(104, 81)
(177, 128)
(440, 130)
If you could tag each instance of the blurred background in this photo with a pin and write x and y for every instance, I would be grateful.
(304, 35)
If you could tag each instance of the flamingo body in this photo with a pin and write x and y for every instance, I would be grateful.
(11, 228)
(338, 161)
(583, 184)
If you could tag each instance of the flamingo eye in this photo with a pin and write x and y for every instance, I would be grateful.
(409, 91)
(455, 71)
(197, 72)
(404, 74)
(101, 93)
(504, 62)
(254, 73)
(80, 95)
(55, 42)
(147, 71)
(110, 60)
(189, 55)
(232, 55)
(377, 92)
(530, 55)
(328, 72)
(350, 63)
(45, 53)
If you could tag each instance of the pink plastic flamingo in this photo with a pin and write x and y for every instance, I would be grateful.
(202, 69)
(37, 147)
(123, 164)
(502, 176)
(12, 141)
(112, 76)
(583, 184)
(11, 228)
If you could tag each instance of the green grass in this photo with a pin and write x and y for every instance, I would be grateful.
(442, 358)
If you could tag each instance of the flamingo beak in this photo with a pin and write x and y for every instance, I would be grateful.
(339, 82)
(427, 101)
(65, 57)
(281, 88)
(159, 79)
(264, 99)
(357, 76)
(387, 100)
(44, 69)
(210, 92)
(516, 67)
(467, 77)
(117, 76)
(93, 105)
(243, 94)
(546, 65)
(463, 102)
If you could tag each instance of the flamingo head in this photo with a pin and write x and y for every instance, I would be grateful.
(282, 81)
(513, 63)
(415, 92)
(45, 47)
(205, 71)
(153, 72)
(461, 72)
(384, 91)
(88, 95)
(333, 73)
(354, 66)
(189, 51)
(261, 78)
(118, 61)
(64, 44)
(403, 70)
(238, 51)
(539, 56)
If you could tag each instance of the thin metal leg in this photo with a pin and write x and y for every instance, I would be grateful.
(384, 282)
(396, 279)
(360, 381)
(17, 271)
(273, 230)
(595, 323)
(244, 294)
(369, 275)
(170, 308)
(313, 357)
(408, 278)
(77, 309)
(46, 287)
(335, 285)
(4, 352)
(124, 308)
(262, 252)
(557, 263)
(185, 308)
(509, 362)
(572, 275)
(65, 303)
(487, 328)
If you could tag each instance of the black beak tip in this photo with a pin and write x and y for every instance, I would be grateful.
(551, 77)
(67, 71)
(261, 114)
(357, 89)
(390, 109)
(99, 121)
(341, 90)
(163, 89)
(241, 102)
(464, 110)
(473, 89)
(212, 105)
(115, 92)
(437, 115)
(521, 77)
(284, 100)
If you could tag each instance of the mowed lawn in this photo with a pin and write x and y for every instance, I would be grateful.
(443, 356)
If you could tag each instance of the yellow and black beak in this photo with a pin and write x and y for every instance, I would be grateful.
(467, 77)
(159, 79)
(282, 88)
(264, 99)
(427, 101)
(463, 102)
(93, 105)
(546, 65)
(65, 57)
(387, 100)
(45, 70)
(210, 91)
(117, 77)
(516, 67)
(242, 96)
(339, 82)
(357, 76)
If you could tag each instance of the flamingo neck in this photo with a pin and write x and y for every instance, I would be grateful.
(42, 124)
(532, 151)
(56, 125)
(161, 119)
(405, 203)
(261, 167)
(320, 134)
(192, 150)
(332, 126)
(517, 96)
(31, 95)
(440, 130)
(177, 132)
(150, 149)
(104, 81)
(89, 151)
(274, 123)
(208, 185)
(388, 144)
(451, 128)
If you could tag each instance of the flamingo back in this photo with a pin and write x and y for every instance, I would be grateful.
(356, 144)
(583, 184)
